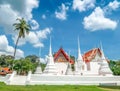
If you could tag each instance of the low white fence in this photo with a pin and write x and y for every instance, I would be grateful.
(4, 78)
(74, 79)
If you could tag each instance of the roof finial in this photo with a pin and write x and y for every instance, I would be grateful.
(79, 52)
(103, 56)
(50, 49)
(40, 52)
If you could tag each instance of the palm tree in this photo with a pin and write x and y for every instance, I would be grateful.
(23, 29)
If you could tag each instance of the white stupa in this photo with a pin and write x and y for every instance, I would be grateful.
(79, 64)
(69, 70)
(104, 67)
(50, 67)
(38, 69)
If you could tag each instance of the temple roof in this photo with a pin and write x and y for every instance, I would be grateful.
(88, 56)
(64, 54)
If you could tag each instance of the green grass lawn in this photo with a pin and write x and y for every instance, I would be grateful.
(4, 87)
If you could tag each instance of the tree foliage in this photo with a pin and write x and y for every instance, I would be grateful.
(6, 61)
(23, 66)
(32, 58)
(115, 67)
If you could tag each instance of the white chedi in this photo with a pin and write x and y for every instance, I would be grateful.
(50, 67)
(38, 69)
(79, 64)
(69, 70)
(104, 66)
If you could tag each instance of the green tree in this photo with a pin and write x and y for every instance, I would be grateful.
(33, 58)
(18, 66)
(23, 29)
(115, 67)
(72, 67)
(42, 66)
(23, 66)
(2, 61)
(72, 57)
(5, 60)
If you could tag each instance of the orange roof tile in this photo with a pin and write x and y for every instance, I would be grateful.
(88, 56)
(6, 69)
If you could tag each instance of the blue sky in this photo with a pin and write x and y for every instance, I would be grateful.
(64, 20)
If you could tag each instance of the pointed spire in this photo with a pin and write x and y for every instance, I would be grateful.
(104, 67)
(40, 52)
(50, 49)
(103, 56)
(79, 52)
(39, 55)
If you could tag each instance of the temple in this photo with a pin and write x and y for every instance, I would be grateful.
(90, 68)
(91, 63)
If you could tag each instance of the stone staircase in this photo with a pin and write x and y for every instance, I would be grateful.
(18, 80)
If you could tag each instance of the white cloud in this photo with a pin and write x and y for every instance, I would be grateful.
(39, 44)
(34, 38)
(7, 17)
(34, 24)
(114, 5)
(42, 60)
(97, 21)
(43, 33)
(6, 49)
(30, 5)
(62, 15)
(10, 10)
(83, 5)
(43, 16)
(3, 42)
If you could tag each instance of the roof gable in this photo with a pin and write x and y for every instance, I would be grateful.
(62, 52)
(88, 56)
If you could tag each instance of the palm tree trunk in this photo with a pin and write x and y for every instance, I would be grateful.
(16, 46)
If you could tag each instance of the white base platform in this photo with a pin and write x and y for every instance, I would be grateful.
(37, 79)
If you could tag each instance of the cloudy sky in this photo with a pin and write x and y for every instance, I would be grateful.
(64, 20)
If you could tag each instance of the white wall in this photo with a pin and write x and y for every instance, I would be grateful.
(94, 67)
(74, 79)
(61, 67)
(95, 64)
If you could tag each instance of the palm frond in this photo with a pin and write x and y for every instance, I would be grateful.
(23, 29)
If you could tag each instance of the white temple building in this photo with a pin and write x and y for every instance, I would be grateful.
(91, 63)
